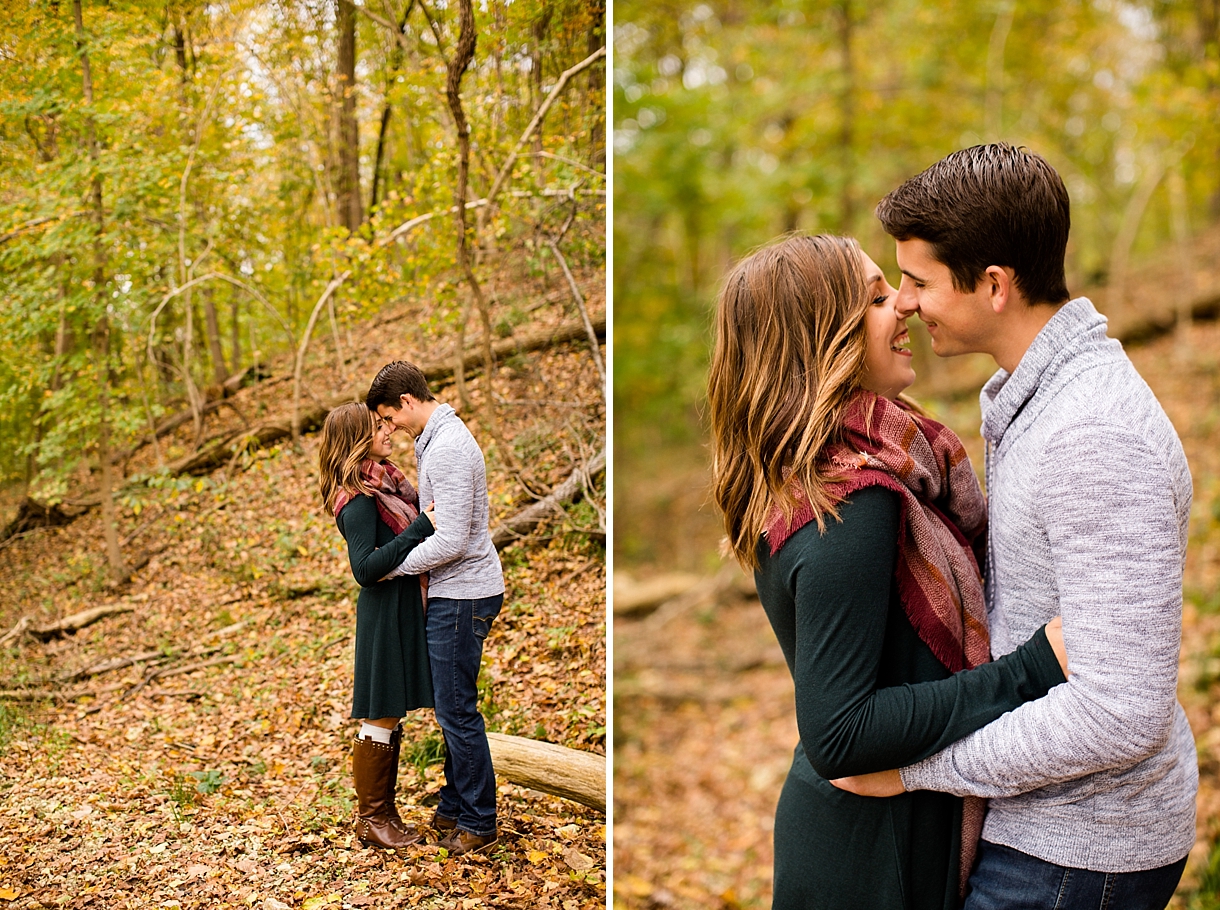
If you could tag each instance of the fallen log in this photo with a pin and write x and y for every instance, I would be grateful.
(224, 449)
(557, 770)
(550, 505)
(16, 631)
(70, 625)
(516, 344)
(637, 598)
(115, 663)
(32, 514)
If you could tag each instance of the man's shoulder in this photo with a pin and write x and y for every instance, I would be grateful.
(450, 435)
(1104, 393)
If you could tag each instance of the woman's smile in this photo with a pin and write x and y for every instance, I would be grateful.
(887, 351)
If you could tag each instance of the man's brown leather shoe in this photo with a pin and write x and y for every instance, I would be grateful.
(460, 842)
(442, 822)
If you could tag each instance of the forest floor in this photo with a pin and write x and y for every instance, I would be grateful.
(704, 713)
(214, 771)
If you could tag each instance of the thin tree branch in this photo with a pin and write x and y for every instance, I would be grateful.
(584, 314)
(567, 75)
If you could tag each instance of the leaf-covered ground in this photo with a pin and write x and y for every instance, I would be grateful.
(705, 724)
(214, 771)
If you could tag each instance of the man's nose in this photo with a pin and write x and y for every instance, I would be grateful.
(905, 302)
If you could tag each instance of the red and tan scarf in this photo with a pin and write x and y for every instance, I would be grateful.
(943, 519)
(397, 502)
(396, 497)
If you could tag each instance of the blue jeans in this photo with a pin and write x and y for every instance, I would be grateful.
(456, 630)
(1007, 879)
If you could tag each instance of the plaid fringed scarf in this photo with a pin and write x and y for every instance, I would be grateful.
(943, 517)
(397, 499)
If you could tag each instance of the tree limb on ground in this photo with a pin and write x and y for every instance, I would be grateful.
(549, 506)
(67, 625)
(557, 770)
(177, 671)
(639, 598)
(33, 514)
(584, 314)
(215, 396)
(221, 451)
(115, 663)
(16, 631)
(77, 621)
(118, 663)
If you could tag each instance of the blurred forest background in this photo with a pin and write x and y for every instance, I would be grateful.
(735, 122)
(217, 221)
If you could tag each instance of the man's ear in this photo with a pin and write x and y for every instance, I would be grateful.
(1000, 287)
(406, 401)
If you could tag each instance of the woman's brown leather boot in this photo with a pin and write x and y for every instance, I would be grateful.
(392, 783)
(374, 770)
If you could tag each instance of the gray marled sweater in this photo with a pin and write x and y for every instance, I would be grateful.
(1089, 499)
(459, 558)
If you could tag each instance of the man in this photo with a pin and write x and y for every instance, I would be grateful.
(1092, 788)
(465, 593)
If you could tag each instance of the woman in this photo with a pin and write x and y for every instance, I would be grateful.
(377, 511)
(860, 518)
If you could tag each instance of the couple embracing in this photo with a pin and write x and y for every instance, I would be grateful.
(985, 689)
(430, 586)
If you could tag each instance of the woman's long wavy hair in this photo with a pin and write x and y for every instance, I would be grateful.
(789, 353)
(347, 436)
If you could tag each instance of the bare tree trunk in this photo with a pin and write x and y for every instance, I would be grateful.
(993, 112)
(1207, 15)
(847, 113)
(235, 333)
(462, 55)
(395, 64)
(1179, 215)
(351, 212)
(64, 339)
(1133, 214)
(101, 335)
(219, 371)
(541, 26)
(597, 79)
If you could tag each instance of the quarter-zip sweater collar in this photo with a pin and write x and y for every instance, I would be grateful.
(1057, 354)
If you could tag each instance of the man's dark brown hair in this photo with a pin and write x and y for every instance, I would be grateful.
(988, 205)
(395, 380)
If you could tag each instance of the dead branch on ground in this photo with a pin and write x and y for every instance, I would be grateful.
(584, 314)
(549, 506)
(72, 624)
(223, 450)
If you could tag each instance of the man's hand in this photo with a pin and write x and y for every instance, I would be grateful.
(879, 783)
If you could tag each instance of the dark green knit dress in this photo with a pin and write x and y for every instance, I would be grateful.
(392, 673)
(870, 696)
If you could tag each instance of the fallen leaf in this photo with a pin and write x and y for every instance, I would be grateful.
(577, 861)
(7, 894)
(322, 900)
